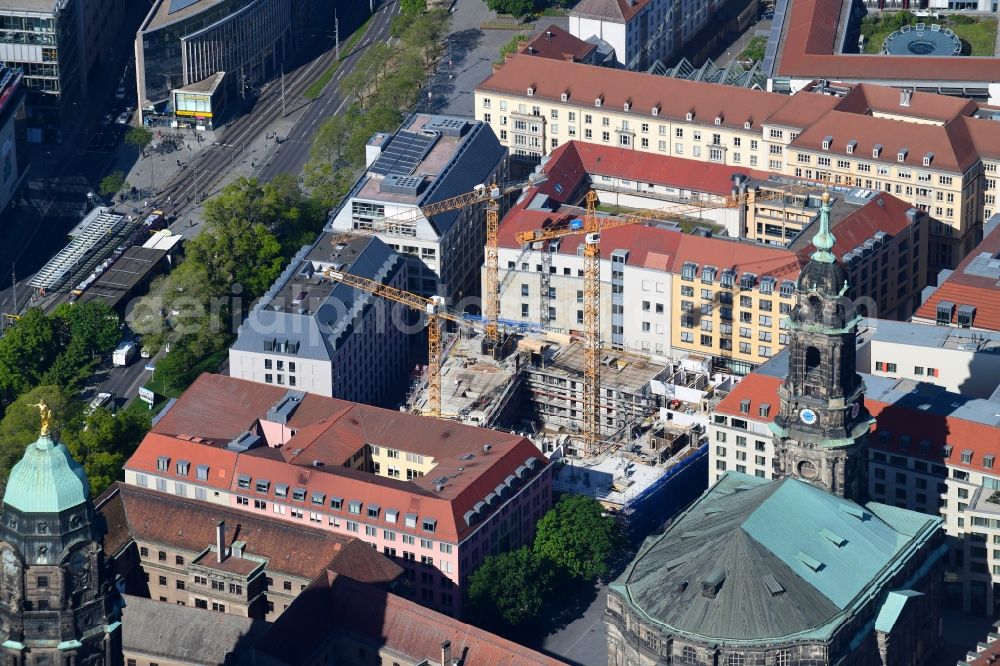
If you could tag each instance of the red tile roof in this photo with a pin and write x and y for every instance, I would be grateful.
(334, 606)
(642, 167)
(897, 420)
(674, 97)
(952, 135)
(555, 42)
(154, 445)
(759, 389)
(609, 10)
(963, 288)
(177, 522)
(327, 432)
(883, 213)
(807, 51)
(950, 144)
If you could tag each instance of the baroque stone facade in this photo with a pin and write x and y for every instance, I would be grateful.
(57, 597)
(821, 431)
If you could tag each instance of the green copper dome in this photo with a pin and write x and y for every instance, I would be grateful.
(46, 479)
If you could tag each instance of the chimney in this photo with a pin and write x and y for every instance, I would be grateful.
(220, 541)
(486, 448)
(446, 653)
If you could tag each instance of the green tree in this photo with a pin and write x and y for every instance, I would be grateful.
(140, 137)
(26, 352)
(92, 327)
(515, 8)
(21, 422)
(511, 46)
(112, 183)
(755, 49)
(412, 7)
(104, 444)
(237, 244)
(576, 537)
(511, 586)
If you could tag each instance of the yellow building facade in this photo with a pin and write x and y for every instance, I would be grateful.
(535, 105)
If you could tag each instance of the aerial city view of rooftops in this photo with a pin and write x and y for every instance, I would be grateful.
(499, 332)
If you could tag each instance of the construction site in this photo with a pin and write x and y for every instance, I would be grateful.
(652, 413)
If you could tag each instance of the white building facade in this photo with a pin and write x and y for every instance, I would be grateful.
(546, 288)
(310, 333)
(430, 159)
(641, 31)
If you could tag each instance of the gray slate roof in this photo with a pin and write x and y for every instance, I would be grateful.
(328, 321)
(472, 164)
(183, 633)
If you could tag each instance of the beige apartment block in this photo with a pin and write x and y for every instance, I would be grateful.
(930, 150)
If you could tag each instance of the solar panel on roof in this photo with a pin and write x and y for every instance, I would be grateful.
(403, 154)
(177, 5)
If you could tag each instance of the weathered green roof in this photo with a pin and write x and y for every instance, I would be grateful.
(46, 479)
(795, 560)
(800, 523)
(892, 608)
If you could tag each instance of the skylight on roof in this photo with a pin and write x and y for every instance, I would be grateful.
(835, 539)
(809, 561)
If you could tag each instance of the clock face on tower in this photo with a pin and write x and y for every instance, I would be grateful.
(807, 416)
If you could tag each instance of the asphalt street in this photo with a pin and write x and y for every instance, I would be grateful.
(293, 152)
(256, 142)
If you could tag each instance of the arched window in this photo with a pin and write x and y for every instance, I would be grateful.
(689, 655)
(815, 307)
(812, 359)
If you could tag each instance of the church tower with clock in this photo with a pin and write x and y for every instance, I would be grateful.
(821, 431)
(58, 604)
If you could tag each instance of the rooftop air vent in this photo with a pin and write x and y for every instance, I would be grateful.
(712, 583)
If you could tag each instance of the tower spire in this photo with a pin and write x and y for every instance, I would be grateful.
(824, 240)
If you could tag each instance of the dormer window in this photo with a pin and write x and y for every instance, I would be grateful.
(851, 145)
(531, 91)
(928, 158)
(656, 110)
(689, 116)
(598, 102)
(565, 96)
(827, 140)
(747, 125)
(901, 155)
(718, 120)
(877, 150)
(627, 106)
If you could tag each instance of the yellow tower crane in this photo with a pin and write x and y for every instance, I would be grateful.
(591, 227)
(491, 196)
(435, 310)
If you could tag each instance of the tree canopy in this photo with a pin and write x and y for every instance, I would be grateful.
(577, 538)
(384, 84)
(516, 8)
(100, 442)
(511, 586)
(112, 183)
(140, 137)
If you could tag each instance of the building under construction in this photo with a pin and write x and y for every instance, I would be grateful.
(535, 384)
